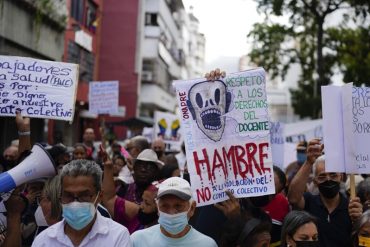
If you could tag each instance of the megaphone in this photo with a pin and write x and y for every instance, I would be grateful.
(36, 165)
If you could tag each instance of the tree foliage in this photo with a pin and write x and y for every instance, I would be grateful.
(306, 41)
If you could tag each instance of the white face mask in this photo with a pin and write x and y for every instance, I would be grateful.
(40, 218)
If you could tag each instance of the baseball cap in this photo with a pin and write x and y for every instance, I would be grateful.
(175, 186)
(149, 155)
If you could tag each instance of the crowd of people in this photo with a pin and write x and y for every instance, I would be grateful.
(132, 193)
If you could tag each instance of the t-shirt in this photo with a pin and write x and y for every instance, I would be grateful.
(153, 236)
(120, 216)
(334, 228)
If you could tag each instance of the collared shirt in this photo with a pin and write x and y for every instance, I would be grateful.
(334, 228)
(105, 232)
(153, 236)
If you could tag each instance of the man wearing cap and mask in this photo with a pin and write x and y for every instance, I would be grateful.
(82, 225)
(333, 211)
(175, 207)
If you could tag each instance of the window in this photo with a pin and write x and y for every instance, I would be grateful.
(91, 21)
(77, 10)
(85, 59)
(151, 19)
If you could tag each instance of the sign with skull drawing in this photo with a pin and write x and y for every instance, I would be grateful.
(225, 124)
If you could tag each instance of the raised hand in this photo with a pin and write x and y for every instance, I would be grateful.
(230, 207)
(23, 123)
(215, 74)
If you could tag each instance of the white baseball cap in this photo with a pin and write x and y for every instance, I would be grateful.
(175, 186)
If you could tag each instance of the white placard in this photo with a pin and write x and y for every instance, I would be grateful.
(226, 131)
(346, 112)
(38, 88)
(277, 143)
(103, 97)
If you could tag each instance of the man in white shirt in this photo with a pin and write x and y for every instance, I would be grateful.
(175, 208)
(82, 224)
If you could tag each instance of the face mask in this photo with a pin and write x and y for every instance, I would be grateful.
(363, 241)
(79, 214)
(173, 223)
(147, 218)
(307, 243)
(159, 153)
(40, 218)
(329, 189)
(260, 201)
(301, 158)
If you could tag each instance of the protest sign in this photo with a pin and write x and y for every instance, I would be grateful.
(346, 114)
(303, 130)
(226, 132)
(103, 97)
(277, 143)
(37, 88)
(167, 126)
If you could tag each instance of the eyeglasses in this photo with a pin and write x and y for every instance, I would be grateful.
(327, 176)
(151, 166)
(84, 197)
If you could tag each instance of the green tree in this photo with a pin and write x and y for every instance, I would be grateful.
(352, 48)
(276, 46)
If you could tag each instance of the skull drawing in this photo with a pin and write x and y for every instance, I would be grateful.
(208, 102)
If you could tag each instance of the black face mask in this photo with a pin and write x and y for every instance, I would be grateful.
(146, 219)
(307, 243)
(329, 189)
(260, 201)
(159, 153)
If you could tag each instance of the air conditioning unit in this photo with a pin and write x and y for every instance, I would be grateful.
(147, 76)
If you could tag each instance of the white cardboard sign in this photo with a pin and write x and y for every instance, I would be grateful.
(346, 117)
(38, 88)
(103, 97)
(227, 139)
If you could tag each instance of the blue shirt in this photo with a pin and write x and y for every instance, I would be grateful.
(153, 236)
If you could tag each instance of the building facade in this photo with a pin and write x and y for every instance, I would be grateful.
(145, 45)
(81, 46)
(31, 29)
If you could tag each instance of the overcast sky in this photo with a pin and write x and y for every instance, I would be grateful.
(225, 24)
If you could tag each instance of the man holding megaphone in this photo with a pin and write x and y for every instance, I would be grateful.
(36, 163)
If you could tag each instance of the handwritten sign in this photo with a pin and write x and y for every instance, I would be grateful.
(103, 97)
(346, 112)
(37, 88)
(167, 126)
(226, 131)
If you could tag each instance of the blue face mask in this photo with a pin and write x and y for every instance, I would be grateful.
(301, 158)
(79, 214)
(173, 223)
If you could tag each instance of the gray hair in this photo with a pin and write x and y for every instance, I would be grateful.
(83, 168)
(294, 220)
(365, 217)
(320, 159)
(52, 190)
(140, 142)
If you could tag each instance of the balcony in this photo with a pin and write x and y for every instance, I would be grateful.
(153, 97)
